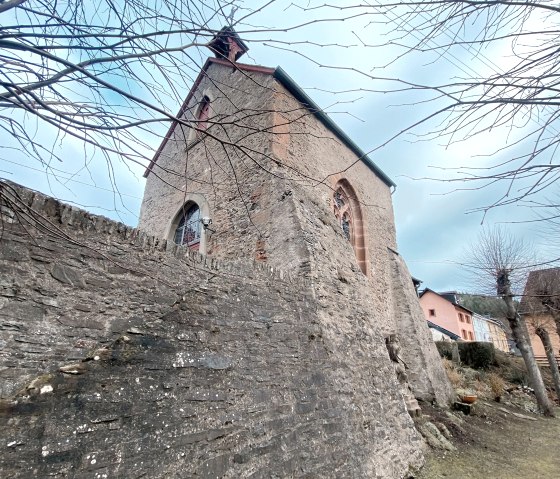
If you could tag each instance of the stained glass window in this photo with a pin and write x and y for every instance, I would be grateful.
(338, 199)
(345, 223)
(343, 213)
(188, 230)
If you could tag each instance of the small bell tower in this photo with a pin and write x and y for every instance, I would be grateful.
(228, 44)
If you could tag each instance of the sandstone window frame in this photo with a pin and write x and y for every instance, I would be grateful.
(203, 112)
(188, 201)
(347, 210)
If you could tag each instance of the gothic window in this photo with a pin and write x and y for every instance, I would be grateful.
(348, 213)
(343, 213)
(188, 229)
(203, 113)
(345, 223)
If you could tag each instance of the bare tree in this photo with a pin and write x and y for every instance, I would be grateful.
(503, 259)
(519, 93)
(110, 75)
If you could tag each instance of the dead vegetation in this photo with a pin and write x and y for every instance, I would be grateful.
(503, 436)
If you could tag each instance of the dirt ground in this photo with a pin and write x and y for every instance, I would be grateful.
(498, 441)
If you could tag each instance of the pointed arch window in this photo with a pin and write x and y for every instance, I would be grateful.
(349, 215)
(202, 115)
(343, 212)
(189, 228)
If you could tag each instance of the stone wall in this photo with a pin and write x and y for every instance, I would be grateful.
(127, 356)
(270, 206)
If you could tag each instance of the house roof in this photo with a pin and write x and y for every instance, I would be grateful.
(443, 330)
(287, 82)
(488, 319)
(539, 284)
(447, 297)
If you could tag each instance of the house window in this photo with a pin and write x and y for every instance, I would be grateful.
(349, 216)
(202, 116)
(468, 318)
(432, 312)
(188, 229)
(464, 333)
(471, 337)
(461, 317)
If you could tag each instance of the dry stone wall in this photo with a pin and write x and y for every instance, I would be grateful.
(127, 356)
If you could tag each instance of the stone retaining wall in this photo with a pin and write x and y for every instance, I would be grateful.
(125, 356)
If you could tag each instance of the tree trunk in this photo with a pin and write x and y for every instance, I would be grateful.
(556, 318)
(545, 338)
(523, 344)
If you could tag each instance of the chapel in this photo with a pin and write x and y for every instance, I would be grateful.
(258, 323)
(256, 169)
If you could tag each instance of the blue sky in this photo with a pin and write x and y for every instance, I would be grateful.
(433, 226)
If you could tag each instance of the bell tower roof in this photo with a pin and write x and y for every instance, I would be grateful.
(228, 44)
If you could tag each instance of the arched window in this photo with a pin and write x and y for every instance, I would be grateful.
(349, 215)
(202, 115)
(343, 212)
(189, 227)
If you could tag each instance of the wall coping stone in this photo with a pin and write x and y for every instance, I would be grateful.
(35, 206)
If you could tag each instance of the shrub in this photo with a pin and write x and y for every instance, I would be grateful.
(455, 377)
(496, 383)
(477, 355)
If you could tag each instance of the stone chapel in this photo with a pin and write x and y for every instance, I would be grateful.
(259, 322)
(264, 173)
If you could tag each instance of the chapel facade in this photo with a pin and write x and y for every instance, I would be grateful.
(255, 169)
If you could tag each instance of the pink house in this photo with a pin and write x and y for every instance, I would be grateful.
(442, 309)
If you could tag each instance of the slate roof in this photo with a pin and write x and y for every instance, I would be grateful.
(453, 336)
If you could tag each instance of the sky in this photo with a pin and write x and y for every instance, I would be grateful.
(433, 222)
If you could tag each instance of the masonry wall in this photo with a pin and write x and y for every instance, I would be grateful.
(235, 176)
(124, 355)
(386, 292)
(275, 204)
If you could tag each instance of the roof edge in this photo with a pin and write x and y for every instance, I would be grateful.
(304, 98)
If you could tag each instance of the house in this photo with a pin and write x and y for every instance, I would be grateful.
(490, 330)
(442, 334)
(444, 310)
(539, 308)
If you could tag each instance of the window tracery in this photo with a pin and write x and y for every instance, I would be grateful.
(189, 228)
(349, 215)
(343, 213)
